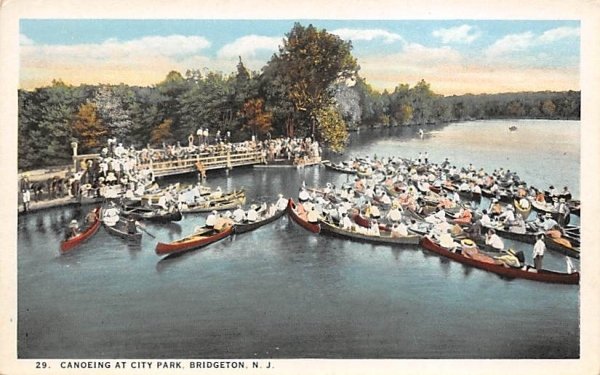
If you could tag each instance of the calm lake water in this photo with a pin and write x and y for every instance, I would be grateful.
(282, 292)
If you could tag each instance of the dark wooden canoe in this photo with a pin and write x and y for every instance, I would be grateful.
(542, 275)
(338, 168)
(216, 205)
(384, 238)
(120, 230)
(247, 227)
(201, 238)
(530, 237)
(152, 214)
(73, 242)
(291, 210)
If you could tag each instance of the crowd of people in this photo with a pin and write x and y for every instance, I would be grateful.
(126, 171)
(400, 194)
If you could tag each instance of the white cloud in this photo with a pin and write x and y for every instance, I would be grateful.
(24, 40)
(460, 34)
(510, 43)
(559, 33)
(249, 46)
(367, 34)
(521, 42)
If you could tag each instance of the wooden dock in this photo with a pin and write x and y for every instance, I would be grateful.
(205, 162)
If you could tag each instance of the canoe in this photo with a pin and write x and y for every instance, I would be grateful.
(291, 210)
(247, 227)
(384, 238)
(152, 214)
(120, 230)
(209, 206)
(524, 211)
(338, 168)
(542, 275)
(201, 238)
(73, 242)
(530, 237)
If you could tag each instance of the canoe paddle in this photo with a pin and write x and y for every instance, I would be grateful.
(144, 230)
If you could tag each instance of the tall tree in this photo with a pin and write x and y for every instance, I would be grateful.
(304, 71)
(255, 118)
(88, 127)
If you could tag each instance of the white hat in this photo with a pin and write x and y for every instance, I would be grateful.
(214, 212)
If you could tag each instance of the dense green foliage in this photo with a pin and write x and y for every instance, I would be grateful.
(311, 87)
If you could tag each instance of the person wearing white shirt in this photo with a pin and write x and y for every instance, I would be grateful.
(507, 216)
(394, 214)
(549, 222)
(485, 219)
(346, 222)
(538, 252)
(239, 214)
(374, 229)
(251, 214)
(211, 219)
(281, 203)
(312, 216)
(493, 240)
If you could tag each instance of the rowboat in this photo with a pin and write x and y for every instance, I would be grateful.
(247, 227)
(339, 167)
(291, 210)
(74, 241)
(384, 238)
(510, 272)
(200, 238)
(120, 230)
(524, 210)
(227, 202)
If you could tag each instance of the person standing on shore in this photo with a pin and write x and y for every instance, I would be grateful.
(26, 200)
(538, 252)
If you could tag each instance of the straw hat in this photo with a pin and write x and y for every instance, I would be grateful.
(467, 242)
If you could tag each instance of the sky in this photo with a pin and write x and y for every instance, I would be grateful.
(455, 56)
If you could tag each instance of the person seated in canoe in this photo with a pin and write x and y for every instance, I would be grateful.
(394, 215)
(493, 240)
(510, 258)
(548, 222)
(252, 214)
(303, 196)
(374, 229)
(359, 185)
(281, 202)
(375, 213)
(447, 241)
(519, 225)
(91, 217)
(223, 221)
(239, 214)
(131, 225)
(346, 222)
(521, 191)
(110, 215)
(566, 194)
(312, 216)
(495, 208)
(398, 230)
(508, 216)
(72, 229)
(475, 229)
(464, 216)
(210, 220)
(556, 234)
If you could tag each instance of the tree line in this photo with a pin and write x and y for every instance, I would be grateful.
(310, 87)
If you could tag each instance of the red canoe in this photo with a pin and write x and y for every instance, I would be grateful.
(542, 275)
(195, 240)
(291, 209)
(72, 242)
